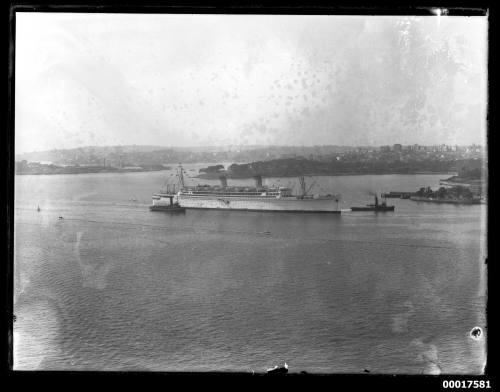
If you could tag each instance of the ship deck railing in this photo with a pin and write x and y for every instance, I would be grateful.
(238, 194)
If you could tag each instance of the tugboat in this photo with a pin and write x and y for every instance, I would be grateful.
(374, 207)
(164, 201)
(278, 369)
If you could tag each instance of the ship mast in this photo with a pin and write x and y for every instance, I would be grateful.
(305, 191)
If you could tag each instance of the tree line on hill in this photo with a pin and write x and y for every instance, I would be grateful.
(287, 167)
(455, 193)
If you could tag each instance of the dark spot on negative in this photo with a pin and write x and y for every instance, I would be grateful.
(476, 333)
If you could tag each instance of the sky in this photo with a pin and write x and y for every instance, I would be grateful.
(195, 80)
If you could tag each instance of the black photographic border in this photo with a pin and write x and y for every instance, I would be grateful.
(331, 381)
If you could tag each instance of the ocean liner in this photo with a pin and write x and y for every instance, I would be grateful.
(257, 198)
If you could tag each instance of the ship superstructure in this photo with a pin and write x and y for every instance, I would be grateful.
(253, 198)
(165, 201)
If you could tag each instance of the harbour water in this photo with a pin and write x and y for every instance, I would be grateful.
(114, 286)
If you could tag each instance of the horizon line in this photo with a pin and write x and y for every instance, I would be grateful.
(248, 145)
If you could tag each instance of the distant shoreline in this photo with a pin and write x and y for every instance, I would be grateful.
(88, 172)
(463, 180)
(215, 176)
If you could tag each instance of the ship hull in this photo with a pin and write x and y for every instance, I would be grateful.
(377, 209)
(259, 204)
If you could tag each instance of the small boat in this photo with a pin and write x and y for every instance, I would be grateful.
(61, 217)
(374, 207)
(278, 369)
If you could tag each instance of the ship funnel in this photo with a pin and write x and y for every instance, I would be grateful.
(180, 175)
(302, 182)
(258, 181)
(223, 181)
